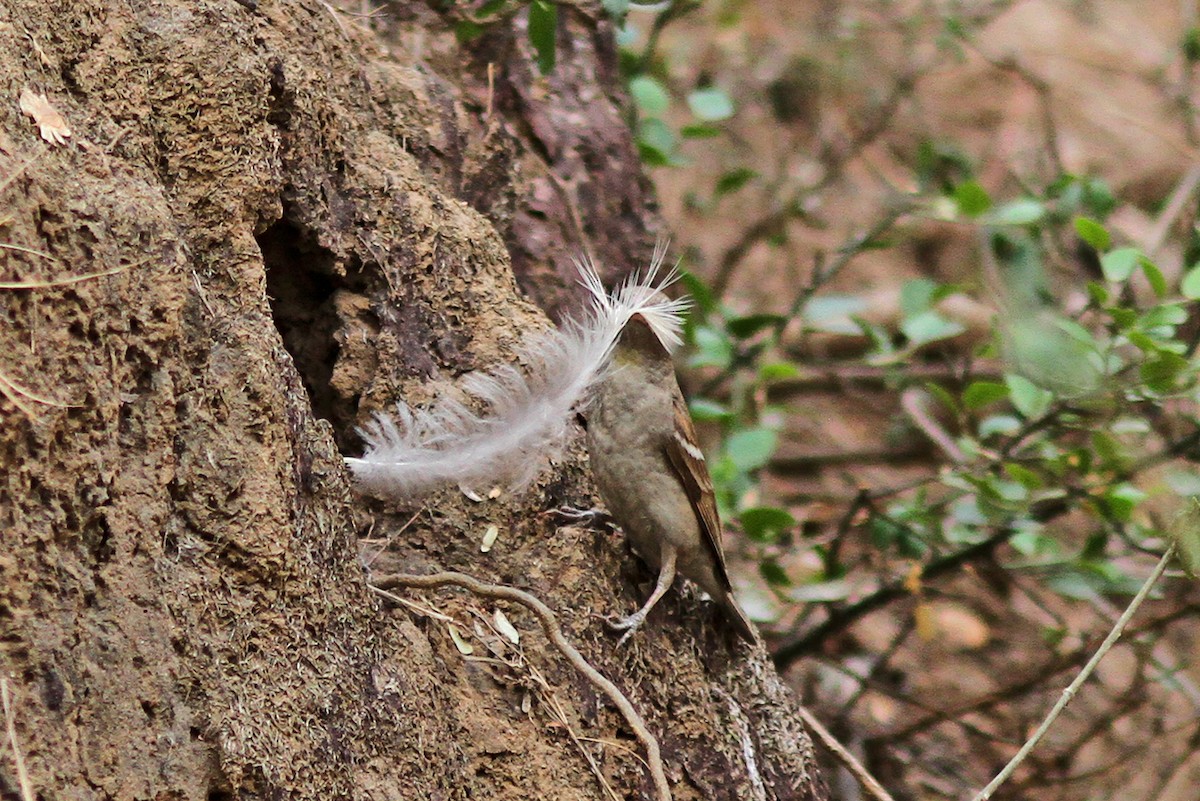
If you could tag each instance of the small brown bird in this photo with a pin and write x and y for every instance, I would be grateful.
(652, 474)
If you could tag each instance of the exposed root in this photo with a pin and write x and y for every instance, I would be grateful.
(554, 633)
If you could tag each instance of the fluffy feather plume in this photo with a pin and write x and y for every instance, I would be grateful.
(527, 413)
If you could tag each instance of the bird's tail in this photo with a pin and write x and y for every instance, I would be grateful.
(745, 629)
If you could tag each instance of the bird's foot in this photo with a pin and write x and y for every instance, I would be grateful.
(628, 624)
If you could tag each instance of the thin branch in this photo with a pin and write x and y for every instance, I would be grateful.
(1083, 676)
(774, 223)
(860, 773)
(912, 400)
(1032, 680)
(550, 626)
(785, 464)
(1175, 205)
(817, 377)
(840, 619)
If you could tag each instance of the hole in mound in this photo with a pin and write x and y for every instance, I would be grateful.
(303, 284)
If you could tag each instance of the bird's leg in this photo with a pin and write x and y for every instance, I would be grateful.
(666, 575)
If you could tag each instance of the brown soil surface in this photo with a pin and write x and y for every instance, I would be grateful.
(297, 227)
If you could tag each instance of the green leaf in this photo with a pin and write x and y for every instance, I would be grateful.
(1168, 314)
(820, 592)
(710, 105)
(1161, 372)
(942, 395)
(1191, 44)
(615, 8)
(1142, 341)
(1183, 483)
(705, 410)
(734, 180)
(1098, 197)
(981, 393)
(1023, 475)
(1027, 397)
(699, 131)
(1120, 501)
(752, 448)
(543, 26)
(1029, 539)
(1154, 276)
(775, 371)
(1118, 264)
(972, 199)
(699, 292)
(656, 142)
(751, 324)
(1025, 211)
(467, 31)
(489, 8)
(1093, 233)
(1186, 532)
(649, 96)
(765, 523)
(1050, 354)
(626, 36)
(713, 348)
(834, 313)
(998, 424)
(917, 296)
(929, 327)
(775, 575)
(1190, 286)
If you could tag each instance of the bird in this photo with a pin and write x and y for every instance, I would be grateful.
(652, 475)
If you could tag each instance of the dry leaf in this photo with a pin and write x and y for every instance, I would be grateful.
(926, 623)
(912, 580)
(959, 626)
(489, 539)
(506, 628)
(465, 648)
(52, 125)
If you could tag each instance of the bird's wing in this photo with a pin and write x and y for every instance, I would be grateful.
(687, 460)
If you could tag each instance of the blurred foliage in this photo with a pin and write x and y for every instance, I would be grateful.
(1058, 433)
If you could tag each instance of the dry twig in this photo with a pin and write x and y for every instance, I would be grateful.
(839, 751)
(1084, 674)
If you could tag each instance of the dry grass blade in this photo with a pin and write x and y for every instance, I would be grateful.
(17, 394)
(31, 251)
(10, 726)
(26, 164)
(56, 282)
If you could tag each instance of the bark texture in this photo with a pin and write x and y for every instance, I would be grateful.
(308, 221)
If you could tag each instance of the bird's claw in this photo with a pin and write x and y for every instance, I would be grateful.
(628, 624)
(592, 517)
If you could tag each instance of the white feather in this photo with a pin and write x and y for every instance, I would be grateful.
(527, 413)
